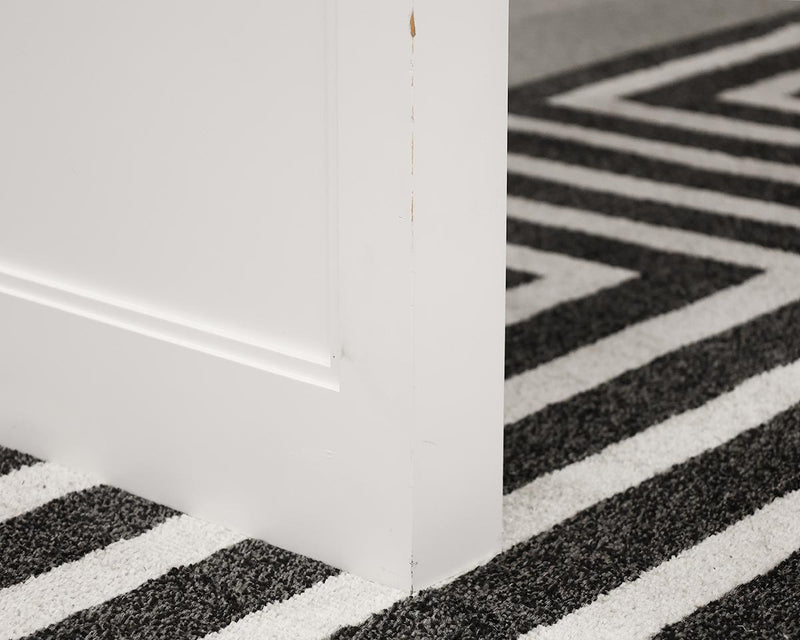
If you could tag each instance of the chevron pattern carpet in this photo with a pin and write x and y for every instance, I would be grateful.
(652, 458)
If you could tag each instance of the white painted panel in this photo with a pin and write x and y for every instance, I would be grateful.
(459, 128)
(375, 461)
(172, 156)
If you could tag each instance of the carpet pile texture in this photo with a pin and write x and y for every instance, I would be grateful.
(652, 439)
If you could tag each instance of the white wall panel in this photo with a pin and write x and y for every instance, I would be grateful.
(172, 156)
(252, 264)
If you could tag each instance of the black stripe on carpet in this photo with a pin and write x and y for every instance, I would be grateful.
(642, 166)
(537, 90)
(192, 601)
(767, 608)
(68, 528)
(751, 231)
(545, 578)
(530, 99)
(515, 278)
(700, 92)
(685, 379)
(11, 460)
(666, 281)
(787, 154)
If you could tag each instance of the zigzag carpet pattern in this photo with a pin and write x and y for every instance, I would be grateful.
(652, 448)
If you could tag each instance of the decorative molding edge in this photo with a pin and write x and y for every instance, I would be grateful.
(176, 331)
(181, 332)
(332, 148)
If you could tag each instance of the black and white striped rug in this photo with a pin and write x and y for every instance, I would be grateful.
(652, 458)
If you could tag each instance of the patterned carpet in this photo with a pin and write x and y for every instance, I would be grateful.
(652, 448)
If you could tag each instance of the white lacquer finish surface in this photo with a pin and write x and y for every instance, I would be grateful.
(172, 156)
(251, 265)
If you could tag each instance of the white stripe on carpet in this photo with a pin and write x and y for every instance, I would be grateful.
(639, 344)
(605, 96)
(668, 151)
(695, 121)
(651, 77)
(563, 278)
(101, 575)
(776, 93)
(695, 577)
(315, 613)
(655, 236)
(32, 486)
(559, 495)
(644, 189)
